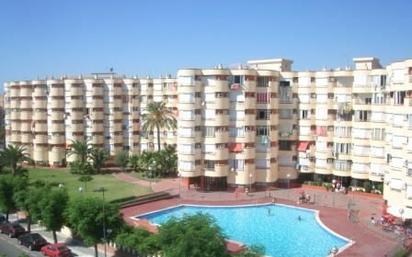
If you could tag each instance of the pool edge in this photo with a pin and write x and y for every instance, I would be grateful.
(317, 217)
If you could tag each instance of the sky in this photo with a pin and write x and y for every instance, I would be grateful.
(54, 37)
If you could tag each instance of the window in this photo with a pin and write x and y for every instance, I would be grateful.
(378, 152)
(187, 115)
(262, 131)
(342, 165)
(209, 114)
(321, 98)
(285, 92)
(399, 141)
(237, 164)
(343, 148)
(210, 165)
(186, 165)
(285, 145)
(285, 113)
(209, 97)
(262, 98)
(186, 98)
(237, 132)
(262, 114)
(362, 115)
(236, 96)
(185, 149)
(360, 167)
(263, 81)
(209, 131)
(262, 148)
(304, 114)
(321, 113)
(236, 115)
(399, 97)
(361, 150)
(361, 133)
(237, 79)
(209, 148)
(262, 163)
(185, 132)
(378, 134)
(186, 80)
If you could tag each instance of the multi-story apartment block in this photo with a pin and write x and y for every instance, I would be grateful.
(2, 122)
(46, 116)
(257, 124)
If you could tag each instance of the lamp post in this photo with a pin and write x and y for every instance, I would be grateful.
(288, 181)
(102, 190)
(250, 182)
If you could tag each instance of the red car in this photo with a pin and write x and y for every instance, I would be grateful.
(56, 250)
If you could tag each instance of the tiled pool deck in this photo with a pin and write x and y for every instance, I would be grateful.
(369, 240)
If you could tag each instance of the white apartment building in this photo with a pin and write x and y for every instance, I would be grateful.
(257, 124)
(46, 116)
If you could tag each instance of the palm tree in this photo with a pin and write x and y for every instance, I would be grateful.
(98, 156)
(12, 156)
(81, 149)
(158, 116)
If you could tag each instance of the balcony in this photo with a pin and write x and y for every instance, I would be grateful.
(39, 104)
(77, 103)
(25, 92)
(56, 104)
(40, 127)
(56, 91)
(41, 139)
(40, 92)
(26, 104)
(57, 140)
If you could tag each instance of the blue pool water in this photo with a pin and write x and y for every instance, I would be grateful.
(276, 227)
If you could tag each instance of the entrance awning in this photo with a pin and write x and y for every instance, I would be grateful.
(303, 146)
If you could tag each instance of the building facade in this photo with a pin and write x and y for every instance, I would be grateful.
(46, 116)
(256, 124)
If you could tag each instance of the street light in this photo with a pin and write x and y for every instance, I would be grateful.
(250, 182)
(102, 190)
(288, 179)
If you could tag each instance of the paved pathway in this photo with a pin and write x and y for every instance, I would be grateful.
(370, 240)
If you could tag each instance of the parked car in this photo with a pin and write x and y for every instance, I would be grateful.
(12, 229)
(32, 241)
(56, 250)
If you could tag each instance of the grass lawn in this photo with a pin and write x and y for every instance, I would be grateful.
(115, 188)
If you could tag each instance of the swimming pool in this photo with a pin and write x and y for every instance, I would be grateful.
(276, 227)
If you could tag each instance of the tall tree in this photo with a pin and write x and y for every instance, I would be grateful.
(81, 149)
(158, 116)
(12, 156)
(54, 205)
(192, 236)
(86, 217)
(9, 186)
(98, 156)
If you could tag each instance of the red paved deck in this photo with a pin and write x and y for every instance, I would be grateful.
(367, 241)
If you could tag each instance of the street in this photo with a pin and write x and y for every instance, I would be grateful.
(10, 248)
